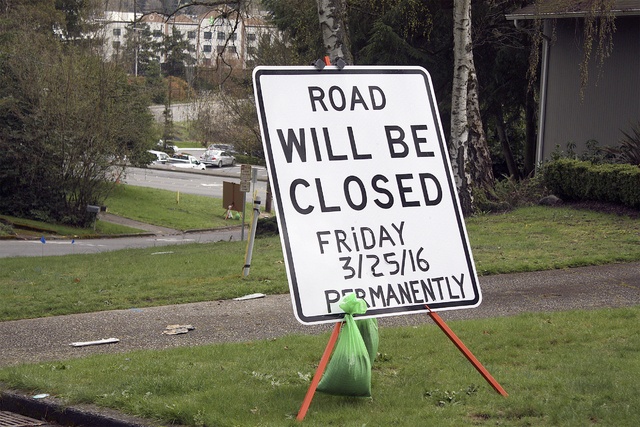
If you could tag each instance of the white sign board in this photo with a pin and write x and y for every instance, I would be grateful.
(365, 196)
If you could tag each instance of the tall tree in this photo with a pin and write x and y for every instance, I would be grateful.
(140, 53)
(177, 53)
(468, 149)
(335, 31)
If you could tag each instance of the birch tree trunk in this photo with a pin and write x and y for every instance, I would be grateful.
(335, 31)
(470, 159)
(479, 157)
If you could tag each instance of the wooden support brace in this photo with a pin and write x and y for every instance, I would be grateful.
(467, 353)
(319, 371)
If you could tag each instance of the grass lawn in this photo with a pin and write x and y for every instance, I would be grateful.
(542, 238)
(574, 368)
(38, 228)
(524, 240)
(168, 209)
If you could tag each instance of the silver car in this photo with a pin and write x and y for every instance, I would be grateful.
(218, 158)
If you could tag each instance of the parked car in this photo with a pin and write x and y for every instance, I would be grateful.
(221, 147)
(218, 158)
(186, 161)
(161, 157)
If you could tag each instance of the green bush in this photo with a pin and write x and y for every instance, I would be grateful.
(579, 180)
(267, 227)
(6, 229)
(628, 151)
(249, 160)
(509, 193)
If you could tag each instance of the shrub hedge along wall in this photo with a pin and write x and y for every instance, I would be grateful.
(581, 180)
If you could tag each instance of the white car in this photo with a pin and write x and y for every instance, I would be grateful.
(161, 158)
(186, 161)
(218, 158)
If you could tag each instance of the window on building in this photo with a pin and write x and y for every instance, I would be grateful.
(233, 36)
(252, 50)
(206, 48)
(220, 48)
(231, 49)
(251, 37)
(221, 35)
(207, 35)
(191, 34)
(117, 32)
(116, 45)
(157, 33)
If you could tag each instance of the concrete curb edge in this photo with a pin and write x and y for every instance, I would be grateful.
(53, 410)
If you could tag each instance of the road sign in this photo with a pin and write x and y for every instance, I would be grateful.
(245, 178)
(366, 200)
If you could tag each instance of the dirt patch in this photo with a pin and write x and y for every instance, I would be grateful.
(609, 208)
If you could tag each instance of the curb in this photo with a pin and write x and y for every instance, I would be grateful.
(87, 237)
(53, 410)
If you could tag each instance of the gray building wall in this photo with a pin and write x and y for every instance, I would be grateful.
(611, 99)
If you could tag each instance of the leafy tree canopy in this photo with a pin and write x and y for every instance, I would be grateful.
(68, 120)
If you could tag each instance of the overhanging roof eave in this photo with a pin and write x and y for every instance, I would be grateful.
(563, 15)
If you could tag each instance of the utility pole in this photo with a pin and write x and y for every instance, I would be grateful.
(135, 37)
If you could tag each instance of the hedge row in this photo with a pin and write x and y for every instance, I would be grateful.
(580, 180)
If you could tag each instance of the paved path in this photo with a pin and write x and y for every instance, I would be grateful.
(155, 229)
(46, 339)
(158, 236)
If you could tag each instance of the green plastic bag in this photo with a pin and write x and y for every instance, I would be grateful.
(349, 370)
(369, 331)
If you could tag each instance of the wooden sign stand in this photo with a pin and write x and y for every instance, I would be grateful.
(441, 324)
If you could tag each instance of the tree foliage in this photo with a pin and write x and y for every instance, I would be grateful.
(598, 27)
(418, 32)
(67, 118)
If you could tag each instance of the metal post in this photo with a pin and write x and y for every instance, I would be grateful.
(244, 202)
(252, 237)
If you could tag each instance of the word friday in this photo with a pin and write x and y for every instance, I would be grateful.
(411, 292)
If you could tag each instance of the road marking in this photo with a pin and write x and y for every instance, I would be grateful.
(49, 242)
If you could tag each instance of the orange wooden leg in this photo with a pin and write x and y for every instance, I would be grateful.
(467, 353)
(319, 371)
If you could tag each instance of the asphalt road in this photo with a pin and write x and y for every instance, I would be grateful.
(67, 246)
(205, 183)
(202, 183)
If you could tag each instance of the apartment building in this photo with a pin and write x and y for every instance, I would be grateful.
(215, 35)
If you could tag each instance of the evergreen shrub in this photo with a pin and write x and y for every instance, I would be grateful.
(584, 181)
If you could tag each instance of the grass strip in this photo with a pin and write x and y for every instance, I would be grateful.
(570, 368)
(169, 209)
(38, 228)
(528, 239)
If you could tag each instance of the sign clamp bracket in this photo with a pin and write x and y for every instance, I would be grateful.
(321, 63)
